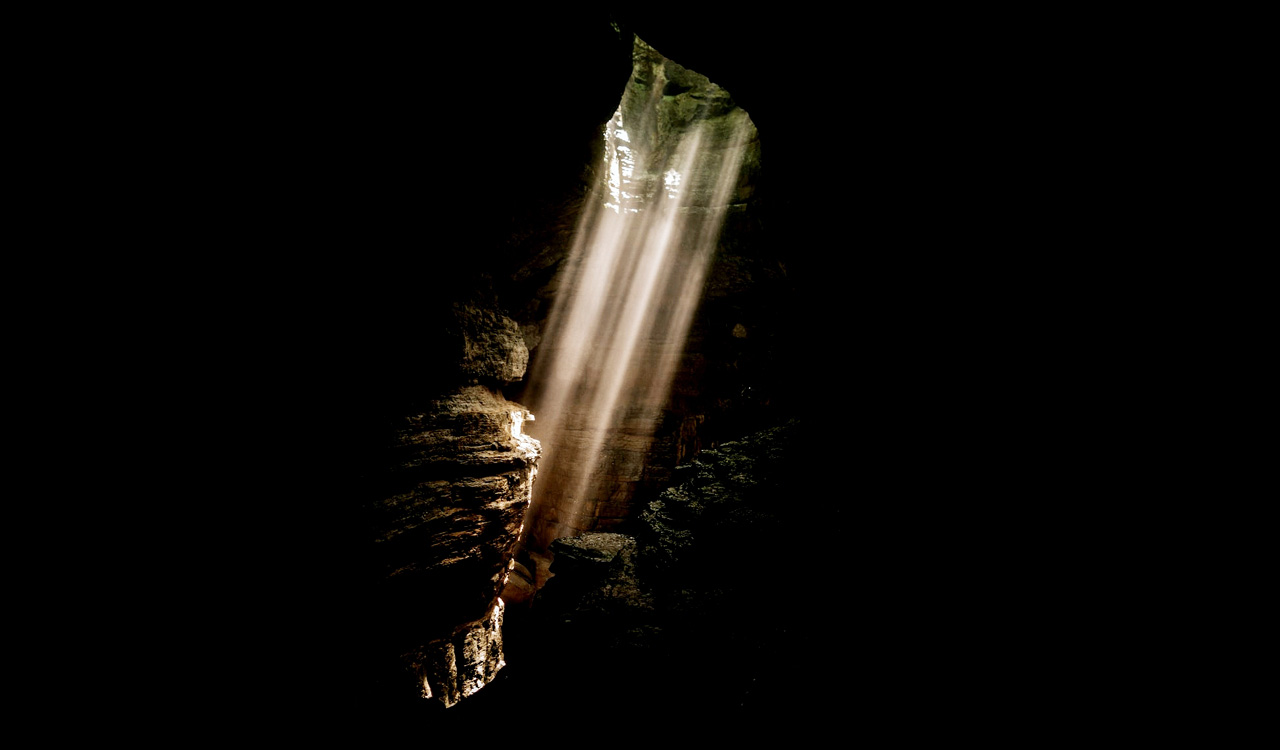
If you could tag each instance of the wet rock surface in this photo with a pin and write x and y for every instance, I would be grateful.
(493, 347)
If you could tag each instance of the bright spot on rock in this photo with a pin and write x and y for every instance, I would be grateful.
(621, 162)
(528, 446)
(671, 181)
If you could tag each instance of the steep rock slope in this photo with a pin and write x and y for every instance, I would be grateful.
(456, 482)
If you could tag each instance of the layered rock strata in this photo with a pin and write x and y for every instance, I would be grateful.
(455, 492)
(453, 668)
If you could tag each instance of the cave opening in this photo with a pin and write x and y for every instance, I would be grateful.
(668, 174)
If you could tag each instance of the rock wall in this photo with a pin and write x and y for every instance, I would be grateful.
(717, 612)
(457, 480)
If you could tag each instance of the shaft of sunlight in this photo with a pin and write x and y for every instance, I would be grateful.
(619, 323)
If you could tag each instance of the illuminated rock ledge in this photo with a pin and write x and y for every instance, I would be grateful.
(455, 482)
(452, 668)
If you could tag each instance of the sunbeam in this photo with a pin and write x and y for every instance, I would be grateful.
(634, 279)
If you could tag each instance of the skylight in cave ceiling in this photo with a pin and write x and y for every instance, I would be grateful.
(621, 161)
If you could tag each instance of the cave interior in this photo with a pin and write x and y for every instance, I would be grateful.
(360, 176)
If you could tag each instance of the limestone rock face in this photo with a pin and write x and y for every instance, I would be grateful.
(493, 347)
(595, 594)
(521, 585)
(727, 498)
(459, 481)
(598, 571)
(452, 668)
(664, 100)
